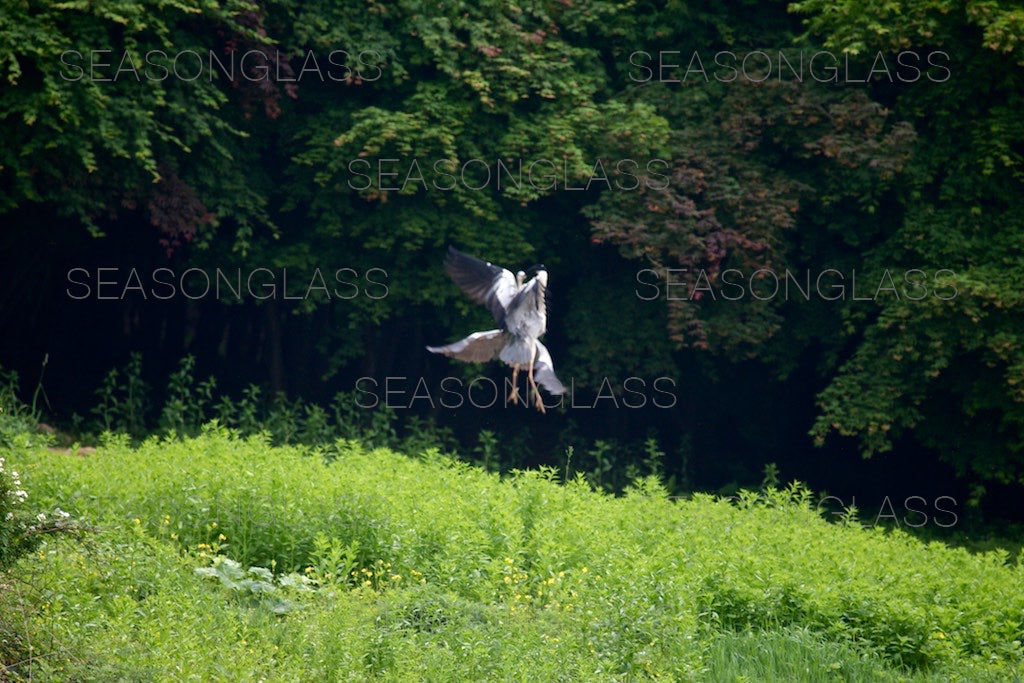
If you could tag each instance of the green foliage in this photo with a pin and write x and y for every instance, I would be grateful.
(23, 523)
(331, 562)
(793, 654)
(734, 197)
(243, 415)
(487, 451)
(910, 174)
(18, 422)
(432, 569)
(99, 133)
(22, 527)
(947, 370)
(459, 91)
(858, 27)
(256, 585)
(906, 376)
(123, 402)
(185, 405)
(14, 539)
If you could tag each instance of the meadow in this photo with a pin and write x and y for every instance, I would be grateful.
(222, 557)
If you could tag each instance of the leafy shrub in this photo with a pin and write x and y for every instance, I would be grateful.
(13, 541)
(123, 399)
(185, 405)
(22, 529)
(125, 402)
(22, 526)
(257, 584)
(18, 422)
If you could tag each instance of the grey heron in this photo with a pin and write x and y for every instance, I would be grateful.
(519, 308)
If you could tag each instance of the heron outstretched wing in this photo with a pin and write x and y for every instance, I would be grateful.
(478, 347)
(544, 372)
(482, 281)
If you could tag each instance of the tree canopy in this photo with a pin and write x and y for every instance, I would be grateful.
(825, 195)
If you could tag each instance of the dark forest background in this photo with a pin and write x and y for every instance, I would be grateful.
(896, 153)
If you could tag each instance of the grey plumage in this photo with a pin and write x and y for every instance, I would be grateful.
(519, 308)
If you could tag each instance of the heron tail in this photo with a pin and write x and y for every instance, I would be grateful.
(517, 352)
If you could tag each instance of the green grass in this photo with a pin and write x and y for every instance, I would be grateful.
(795, 654)
(428, 569)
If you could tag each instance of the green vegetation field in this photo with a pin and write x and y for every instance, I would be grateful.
(221, 558)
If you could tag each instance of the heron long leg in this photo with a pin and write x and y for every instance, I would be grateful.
(537, 401)
(513, 394)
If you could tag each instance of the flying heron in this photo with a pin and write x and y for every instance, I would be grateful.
(518, 307)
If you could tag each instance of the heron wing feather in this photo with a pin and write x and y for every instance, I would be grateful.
(544, 372)
(478, 347)
(482, 281)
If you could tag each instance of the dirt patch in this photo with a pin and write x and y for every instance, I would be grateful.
(80, 452)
